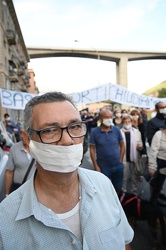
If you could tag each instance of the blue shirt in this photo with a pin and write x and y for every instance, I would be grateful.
(25, 225)
(10, 128)
(107, 144)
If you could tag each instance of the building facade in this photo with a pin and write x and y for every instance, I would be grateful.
(14, 57)
(33, 89)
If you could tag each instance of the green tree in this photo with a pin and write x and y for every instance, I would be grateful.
(162, 93)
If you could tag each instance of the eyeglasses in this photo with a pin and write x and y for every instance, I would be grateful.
(54, 134)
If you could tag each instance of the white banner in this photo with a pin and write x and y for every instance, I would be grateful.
(113, 92)
(14, 99)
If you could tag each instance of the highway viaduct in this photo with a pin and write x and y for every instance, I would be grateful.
(121, 58)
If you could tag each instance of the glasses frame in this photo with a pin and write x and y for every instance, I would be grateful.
(38, 132)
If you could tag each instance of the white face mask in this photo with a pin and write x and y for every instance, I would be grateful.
(162, 111)
(135, 117)
(118, 115)
(124, 114)
(62, 159)
(107, 122)
(127, 126)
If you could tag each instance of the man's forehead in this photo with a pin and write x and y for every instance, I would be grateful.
(107, 113)
(55, 111)
(55, 105)
(161, 105)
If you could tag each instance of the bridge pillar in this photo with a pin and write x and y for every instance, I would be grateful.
(121, 72)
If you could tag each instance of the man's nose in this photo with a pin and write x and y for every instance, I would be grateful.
(66, 139)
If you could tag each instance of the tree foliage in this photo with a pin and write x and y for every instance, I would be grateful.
(162, 93)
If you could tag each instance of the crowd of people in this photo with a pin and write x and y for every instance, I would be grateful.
(118, 139)
(63, 201)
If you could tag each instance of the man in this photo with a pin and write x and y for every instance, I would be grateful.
(88, 118)
(157, 122)
(144, 117)
(18, 163)
(61, 206)
(9, 124)
(107, 149)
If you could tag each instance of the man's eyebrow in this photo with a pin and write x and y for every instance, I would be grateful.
(49, 124)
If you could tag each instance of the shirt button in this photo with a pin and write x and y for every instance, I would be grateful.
(73, 241)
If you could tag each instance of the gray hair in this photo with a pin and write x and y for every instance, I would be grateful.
(103, 111)
(45, 98)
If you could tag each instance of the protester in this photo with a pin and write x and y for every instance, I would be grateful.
(18, 163)
(133, 144)
(2, 140)
(95, 121)
(137, 123)
(89, 122)
(157, 163)
(61, 206)
(144, 117)
(117, 120)
(8, 141)
(124, 112)
(157, 122)
(88, 119)
(107, 149)
(19, 126)
(10, 126)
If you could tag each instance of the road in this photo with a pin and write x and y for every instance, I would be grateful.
(142, 237)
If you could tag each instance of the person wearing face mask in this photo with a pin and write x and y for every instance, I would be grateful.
(157, 164)
(117, 120)
(18, 164)
(124, 112)
(107, 149)
(137, 123)
(61, 206)
(10, 126)
(157, 122)
(133, 144)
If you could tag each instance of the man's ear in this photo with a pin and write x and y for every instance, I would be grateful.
(25, 137)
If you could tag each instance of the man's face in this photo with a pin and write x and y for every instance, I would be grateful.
(59, 114)
(106, 115)
(161, 105)
(7, 118)
(144, 111)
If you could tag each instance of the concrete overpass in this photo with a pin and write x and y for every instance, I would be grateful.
(121, 58)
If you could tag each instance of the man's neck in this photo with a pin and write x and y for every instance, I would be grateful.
(58, 191)
(105, 128)
(26, 147)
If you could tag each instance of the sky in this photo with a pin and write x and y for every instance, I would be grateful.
(125, 25)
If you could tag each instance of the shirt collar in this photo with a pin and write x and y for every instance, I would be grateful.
(110, 130)
(28, 200)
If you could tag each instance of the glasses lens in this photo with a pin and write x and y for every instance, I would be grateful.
(51, 135)
(77, 130)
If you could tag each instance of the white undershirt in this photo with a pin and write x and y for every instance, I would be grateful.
(28, 155)
(72, 220)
